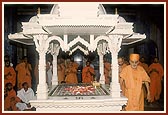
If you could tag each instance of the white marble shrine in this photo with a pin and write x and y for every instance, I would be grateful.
(69, 25)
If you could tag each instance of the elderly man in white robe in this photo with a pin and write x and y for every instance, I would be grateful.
(25, 94)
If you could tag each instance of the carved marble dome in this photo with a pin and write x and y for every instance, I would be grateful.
(66, 10)
(86, 10)
(71, 10)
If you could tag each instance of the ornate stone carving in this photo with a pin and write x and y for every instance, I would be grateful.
(41, 43)
(80, 48)
(55, 10)
(115, 43)
(100, 105)
(101, 49)
(54, 50)
(78, 39)
(66, 48)
(94, 42)
(114, 47)
(60, 41)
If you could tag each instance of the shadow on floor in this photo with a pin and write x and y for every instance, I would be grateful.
(155, 106)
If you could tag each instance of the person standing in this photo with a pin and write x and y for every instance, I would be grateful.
(156, 73)
(71, 73)
(107, 68)
(49, 72)
(88, 73)
(9, 73)
(143, 64)
(24, 70)
(134, 76)
(61, 70)
(121, 66)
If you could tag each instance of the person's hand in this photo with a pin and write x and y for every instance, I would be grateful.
(88, 70)
(8, 74)
(148, 97)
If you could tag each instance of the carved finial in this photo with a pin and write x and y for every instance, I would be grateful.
(116, 12)
(38, 10)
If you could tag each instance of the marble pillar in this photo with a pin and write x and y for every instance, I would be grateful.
(54, 52)
(101, 63)
(42, 48)
(114, 46)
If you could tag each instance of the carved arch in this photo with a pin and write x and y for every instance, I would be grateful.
(99, 38)
(78, 39)
(80, 48)
(57, 38)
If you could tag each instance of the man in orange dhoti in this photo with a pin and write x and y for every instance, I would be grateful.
(122, 65)
(70, 72)
(61, 70)
(88, 73)
(23, 73)
(134, 76)
(107, 68)
(156, 73)
(10, 99)
(9, 74)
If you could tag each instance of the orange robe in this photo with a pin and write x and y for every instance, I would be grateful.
(156, 74)
(145, 66)
(76, 65)
(61, 72)
(10, 101)
(71, 77)
(23, 74)
(122, 84)
(107, 68)
(10, 76)
(134, 79)
(87, 74)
